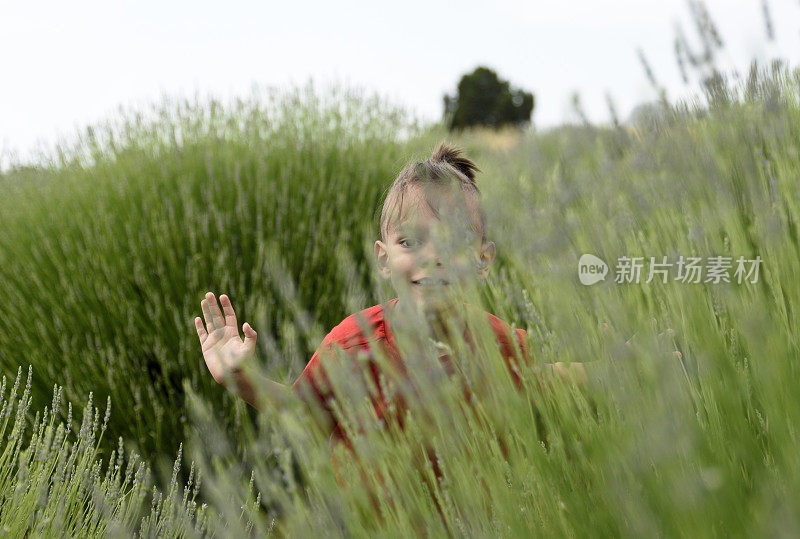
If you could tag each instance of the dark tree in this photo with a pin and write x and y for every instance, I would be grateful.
(483, 99)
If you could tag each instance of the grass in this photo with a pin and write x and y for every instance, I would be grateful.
(107, 251)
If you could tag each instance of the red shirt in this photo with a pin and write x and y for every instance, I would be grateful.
(350, 337)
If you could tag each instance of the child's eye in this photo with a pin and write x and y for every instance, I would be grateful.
(404, 242)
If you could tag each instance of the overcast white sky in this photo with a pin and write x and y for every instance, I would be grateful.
(67, 64)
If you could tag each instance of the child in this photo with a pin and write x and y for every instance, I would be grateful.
(433, 247)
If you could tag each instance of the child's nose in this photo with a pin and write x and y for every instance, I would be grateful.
(429, 255)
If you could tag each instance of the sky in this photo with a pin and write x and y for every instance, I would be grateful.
(70, 64)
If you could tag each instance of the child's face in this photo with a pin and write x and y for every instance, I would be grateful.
(428, 259)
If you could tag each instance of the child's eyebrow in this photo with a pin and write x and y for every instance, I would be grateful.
(407, 227)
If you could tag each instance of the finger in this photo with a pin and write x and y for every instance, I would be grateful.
(558, 368)
(605, 335)
(209, 318)
(653, 328)
(230, 315)
(667, 332)
(201, 331)
(250, 336)
(216, 314)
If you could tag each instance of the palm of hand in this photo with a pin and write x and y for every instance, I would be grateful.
(223, 350)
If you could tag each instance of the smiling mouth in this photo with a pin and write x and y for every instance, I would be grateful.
(425, 282)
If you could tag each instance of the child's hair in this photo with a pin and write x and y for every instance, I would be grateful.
(444, 168)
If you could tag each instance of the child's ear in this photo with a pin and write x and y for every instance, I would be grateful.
(485, 259)
(382, 257)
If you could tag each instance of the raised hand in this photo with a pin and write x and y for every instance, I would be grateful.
(662, 338)
(224, 351)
